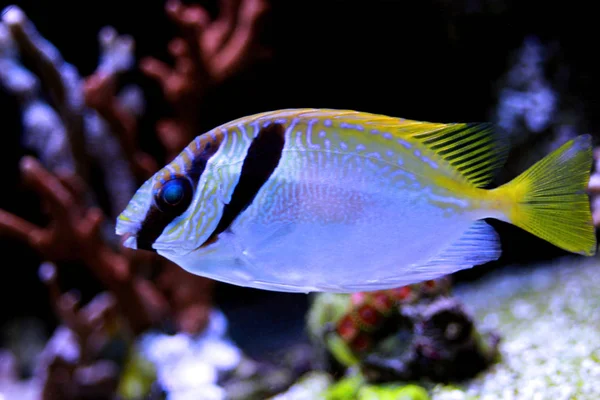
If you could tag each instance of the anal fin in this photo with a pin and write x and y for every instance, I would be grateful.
(478, 245)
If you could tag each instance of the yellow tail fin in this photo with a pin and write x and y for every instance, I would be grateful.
(550, 199)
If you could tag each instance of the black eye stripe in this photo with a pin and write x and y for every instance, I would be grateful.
(152, 227)
(157, 218)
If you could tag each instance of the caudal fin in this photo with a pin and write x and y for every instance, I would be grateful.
(550, 199)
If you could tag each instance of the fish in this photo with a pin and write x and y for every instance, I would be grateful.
(327, 200)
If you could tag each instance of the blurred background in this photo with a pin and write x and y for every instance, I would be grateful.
(528, 66)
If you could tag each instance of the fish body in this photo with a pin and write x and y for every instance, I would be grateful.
(306, 200)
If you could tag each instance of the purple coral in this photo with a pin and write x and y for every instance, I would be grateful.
(527, 97)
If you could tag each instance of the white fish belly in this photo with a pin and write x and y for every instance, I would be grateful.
(386, 245)
(333, 229)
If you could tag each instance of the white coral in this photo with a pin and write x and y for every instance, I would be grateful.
(528, 96)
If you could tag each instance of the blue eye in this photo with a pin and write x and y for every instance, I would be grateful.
(173, 192)
(175, 195)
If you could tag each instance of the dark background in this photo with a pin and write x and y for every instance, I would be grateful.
(433, 60)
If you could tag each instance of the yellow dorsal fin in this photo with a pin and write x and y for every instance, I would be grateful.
(472, 149)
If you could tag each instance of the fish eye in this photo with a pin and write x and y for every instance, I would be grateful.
(175, 195)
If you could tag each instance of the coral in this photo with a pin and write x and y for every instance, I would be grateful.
(73, 235)
(528, 97)
(71, 365)
(594, 188)
(548, 319)
(59, 79)
(374, 315)
(207, 53)
(445, 347)
(189, 366)
(409, 333)
(535, 112)
(11, 387)
(43, 129)
(55, 101)
(119, 111)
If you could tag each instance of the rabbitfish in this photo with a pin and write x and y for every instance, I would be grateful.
(305, 200)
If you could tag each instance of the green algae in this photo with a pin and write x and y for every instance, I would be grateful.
(320, 385)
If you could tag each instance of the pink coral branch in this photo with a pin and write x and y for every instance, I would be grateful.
(207, 53)
(73, 234)
(594, 189)
(88, 328)
(100, 94)
(50, 67)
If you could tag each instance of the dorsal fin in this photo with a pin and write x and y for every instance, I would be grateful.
(472, 149)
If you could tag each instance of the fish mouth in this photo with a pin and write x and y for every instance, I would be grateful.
(171, 249)
(129, 222)
(125, 227)
(130, 241)
(128, 230)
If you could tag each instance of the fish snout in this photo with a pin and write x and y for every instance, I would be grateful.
(130, 241)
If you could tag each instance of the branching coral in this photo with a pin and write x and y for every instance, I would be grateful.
(528, 96)
(57, 123)
(59, 80)
(73, 234)
(118, 110)
(207, 53)
(535, 111)
(71, 366)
